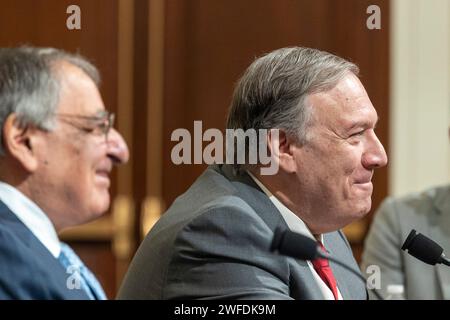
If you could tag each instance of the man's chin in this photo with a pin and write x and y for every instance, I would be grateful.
(94, 215)
(358, 212)
(364, 208)
(100, 206)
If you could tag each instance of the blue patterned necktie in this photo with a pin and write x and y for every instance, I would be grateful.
(80, 277)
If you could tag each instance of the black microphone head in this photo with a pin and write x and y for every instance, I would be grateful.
(294, 244)
(423, 248)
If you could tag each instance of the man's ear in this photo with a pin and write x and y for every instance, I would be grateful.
(18, 143)
(282, 148)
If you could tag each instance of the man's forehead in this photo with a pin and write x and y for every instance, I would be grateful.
(71, 74)
(347, 109)
(362, 121)
(79, 93)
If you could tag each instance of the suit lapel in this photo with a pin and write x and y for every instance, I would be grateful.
(40, 261)
(339, 273)
(308, 281)
(440, 232)
(443, 275)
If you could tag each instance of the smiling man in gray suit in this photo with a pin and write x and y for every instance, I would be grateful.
(214, 241)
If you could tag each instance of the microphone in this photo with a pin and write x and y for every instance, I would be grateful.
(424, 249)
(296, 245)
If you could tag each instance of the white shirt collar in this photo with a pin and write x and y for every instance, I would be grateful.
(31, 216)
(292, 220)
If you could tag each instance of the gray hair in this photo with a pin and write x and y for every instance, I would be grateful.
(30, 84)
(272, 91)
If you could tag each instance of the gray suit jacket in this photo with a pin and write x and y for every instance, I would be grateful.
(214, 243)
(428, 213)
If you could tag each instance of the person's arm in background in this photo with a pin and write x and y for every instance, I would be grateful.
(382, 249)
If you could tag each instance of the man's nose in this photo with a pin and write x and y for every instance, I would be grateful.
(375, 156)
(117, 147)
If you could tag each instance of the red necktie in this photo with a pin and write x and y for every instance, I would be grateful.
(323, 269)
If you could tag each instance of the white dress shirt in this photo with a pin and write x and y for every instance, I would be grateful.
(297, 225)
(31, 216)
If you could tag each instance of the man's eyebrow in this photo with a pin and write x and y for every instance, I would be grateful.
(362, 124)
(101, 112)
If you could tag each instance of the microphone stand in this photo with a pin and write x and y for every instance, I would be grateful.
(445, 260)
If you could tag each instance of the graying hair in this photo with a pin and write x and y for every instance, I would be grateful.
(271, 93)
(30, 84)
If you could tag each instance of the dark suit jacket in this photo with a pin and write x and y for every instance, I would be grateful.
(27, 269)
(214, 243)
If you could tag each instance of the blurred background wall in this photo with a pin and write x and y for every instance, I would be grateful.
(419, 95)
(167, 63)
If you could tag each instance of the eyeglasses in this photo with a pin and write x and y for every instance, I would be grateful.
(99, 124)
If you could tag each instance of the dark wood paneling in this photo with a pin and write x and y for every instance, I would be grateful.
(140, 98)
(140, 103)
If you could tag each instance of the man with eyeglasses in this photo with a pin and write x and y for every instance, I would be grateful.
(58, 147)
